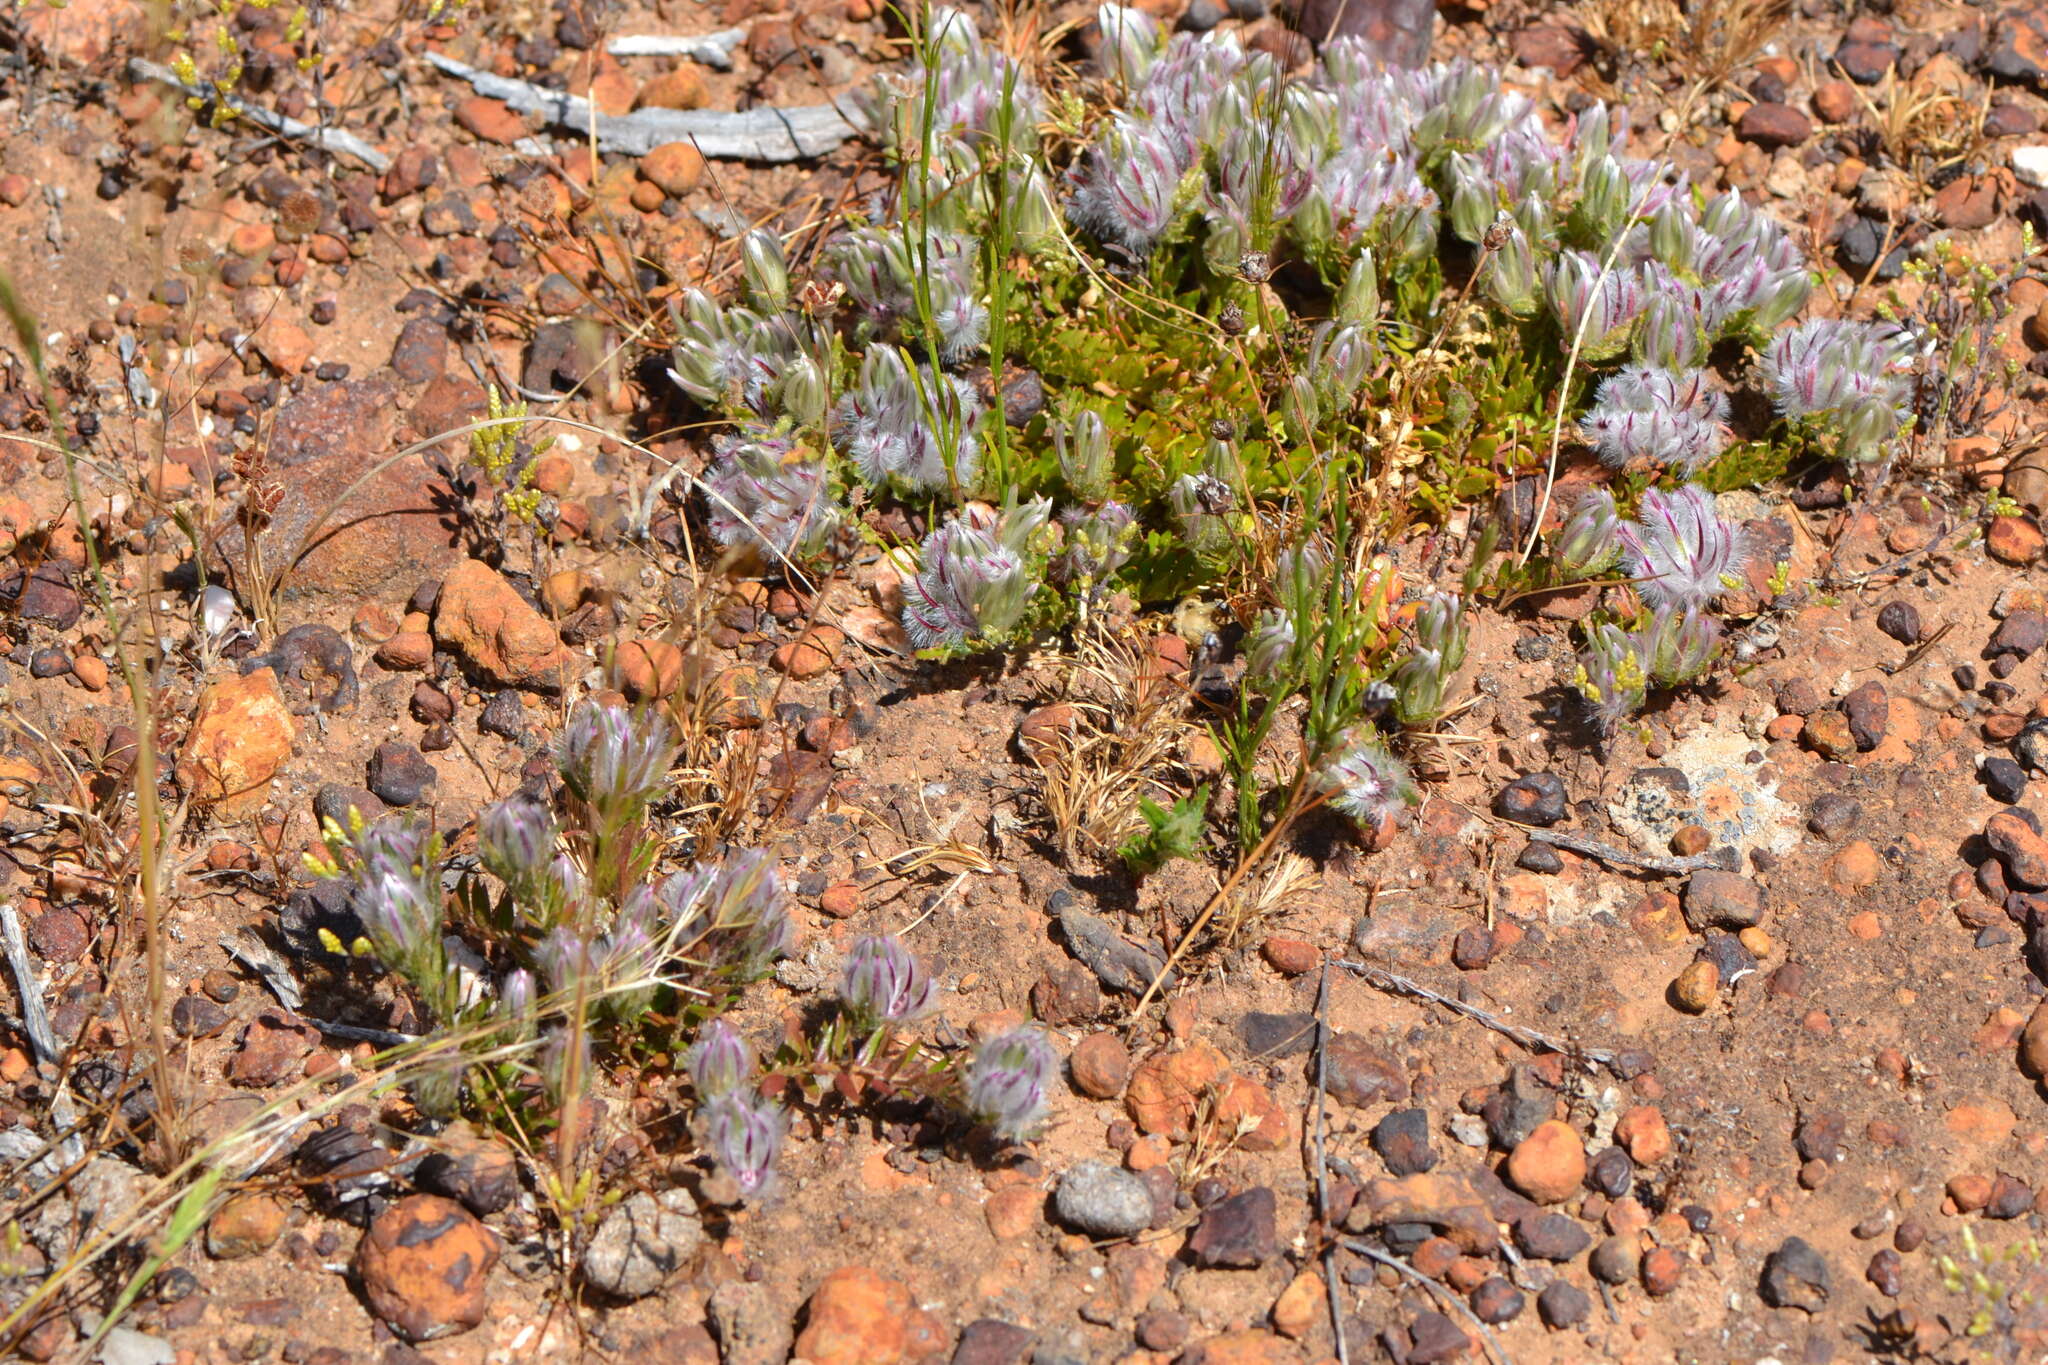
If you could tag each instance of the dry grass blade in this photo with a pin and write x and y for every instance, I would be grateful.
(1120, 742)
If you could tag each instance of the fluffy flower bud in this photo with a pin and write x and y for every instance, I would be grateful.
(720, 1061)
(1083, 444)
(1589, 542)
(1679, 553)
(1366, 782)
(1007, 1080)
(884, 983)
(744, 1133)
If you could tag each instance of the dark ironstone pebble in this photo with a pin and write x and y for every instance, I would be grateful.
(1869, 713)
(1901, 621)
(1795, 1276)
(2022, 633)
(2003, 779)
(2030, 746)
(1540, 858)
(1496, 1301)
(1434, 1337)
(1615, 1260)
(49, 663)
(194, 1016)
(1833, 815)
(1563, 1304)
(505, 716)
(399, 776)
(1402, 1141)
(1472, 949)
(1203, 15)
(1537, 799)
(2011, 1197)
(1551, 1237)
(1236, 1232)
(1612, 1172)
(1886, 1273)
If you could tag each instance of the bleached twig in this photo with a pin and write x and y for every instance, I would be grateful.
(708, 49)
(1536, 1042)
(328, 139)
(765, 134)
(35, 1021)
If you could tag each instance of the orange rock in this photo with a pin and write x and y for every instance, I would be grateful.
(241, 735)
(1301, 1305)
(679, 87)
(1549, 1165)
(1986, 1121)
(675, 166)
(1246, 1109)
(1290, 956)
(1643, 1131)
(1166, 1087)
(490, 120)
(423, 1265)
(648, 669)
(1014, 1212)
(1100, 1065)
(482, 618)
(815, 653)
(2034, 1043)
(1243, 1348)
(285, 345)
(860, 1317)
(1854, 867)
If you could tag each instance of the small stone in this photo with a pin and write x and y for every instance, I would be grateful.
(1835, 101)
(481, 617)
(1691, 840)
(1855, 867)
(194, 1016)
(2011, 1197)
(1901, 621)
(1290, 956)
(1549, 1165)
(2034, 1043)
(1100, 1065)
(1613, 1172)
(479, 1174)
(2030, 166)
(1539, 858)
(816, 652)
(1886, 1273)
(490, 120)
(1551, 1236)
(2003, 779)
(1496, 1301)
(2022, 632)
(1663, 1268)
(680, 87)
(1537, 799)
(504, 715)
(246, 1225)
(1472, 949)
(1433, 1337)
(2014, 540)
(1615, 1261)
(1103, 1201)
(1299, 1309)
(423, 1265)
(1795, 1276)
(240, 737)
(1643, 1131)
(1769, 124)
(1402, 1141)
(752, 1329)
(1697, 987)
(675, 167)
(1721, 900)
(1869, 713)
(1827, 733)
(640, 1243)
(1833, 814)
(991, 1341)
(859, 1317)
(1360, 1075)
(273, 1046)
(1563, 1304)
(1237, 1232)
(399, 775)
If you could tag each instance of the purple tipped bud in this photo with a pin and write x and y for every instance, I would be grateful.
(1268, 648)
(762, 489)
(1366, 782)
(1007, 1081)
(1083, 445)
(1670, 417)
(720, 1062)
(614, 761)
(1680, 554)
(515, 999)
(1678, 646)
(1597, 306)
(744, 1133)
(1589, 543)
(731, 915)
(883, 982)
(974, 581)
(1612, 674)
(516, 840)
